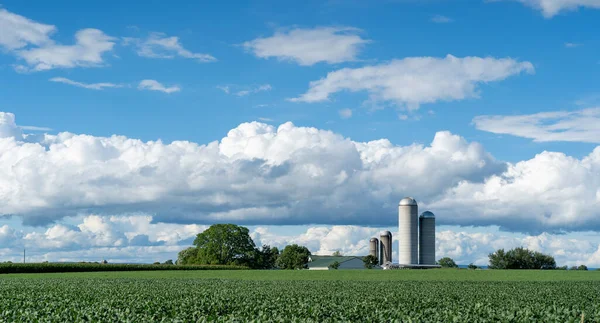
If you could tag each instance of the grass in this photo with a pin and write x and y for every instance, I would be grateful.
(335, 275)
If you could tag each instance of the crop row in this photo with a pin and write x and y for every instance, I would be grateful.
(12, 268)
(198, 300)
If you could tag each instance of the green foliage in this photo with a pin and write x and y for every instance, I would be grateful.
(337, 253)
(123, 297)
(580, 267)
(370, 261)
(187, 256)
(334, 265)
(265, 258)
(520, 258)
(12, 268)
(169, 262)
(293, 257)
(447, 262)
(472, 266)
(224, 244)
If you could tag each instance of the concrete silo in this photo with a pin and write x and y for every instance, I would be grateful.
(427, 238)
(386, 244)
(373, 246)
(408, 219)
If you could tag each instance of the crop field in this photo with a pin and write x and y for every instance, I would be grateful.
(313, 296)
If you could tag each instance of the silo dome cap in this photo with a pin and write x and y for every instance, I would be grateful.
(385, 233)
(408, 201)
(374, 240)
(427, 214)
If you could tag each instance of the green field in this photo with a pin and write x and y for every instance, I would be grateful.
(317, 296)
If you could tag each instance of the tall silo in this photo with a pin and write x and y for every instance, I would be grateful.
(381, 256)
(427, 238)
(408, 220)
(386, 243)
(373, 244)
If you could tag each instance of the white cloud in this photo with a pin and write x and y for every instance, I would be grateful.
(8, 127)
(310, 46)
(413, 81)
(260, 88)
(579, 125)
(260, 174)
(345, 113)
(572, 45)
(227, 89)
(439, 19)
(551, 8)
(265, 119)
(30, 41)
(158, 45)
(92, 86)
(18, 31)
(90, 45)
(35, 128)
(153, 85)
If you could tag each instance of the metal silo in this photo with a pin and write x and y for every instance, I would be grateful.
(380, 258)
(386, 243)
(427, 238)
(408, 219)
(373, 244)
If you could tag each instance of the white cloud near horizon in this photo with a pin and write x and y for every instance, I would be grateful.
(153, 85)
(159, 45)
(259, 174)
(138, 238)
(571, 126)
(31, 42)
(309, 46)
(227, 89)
(91, 86)
(551, 8)
(413, 81)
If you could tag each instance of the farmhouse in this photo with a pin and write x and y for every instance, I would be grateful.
(346, 262)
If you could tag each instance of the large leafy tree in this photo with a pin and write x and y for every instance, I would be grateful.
(370, 261)
(520, 258)
(224, 244)
(447, 262)
(265, 258)
(293, 257)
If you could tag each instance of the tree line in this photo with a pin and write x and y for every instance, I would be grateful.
(229, 244)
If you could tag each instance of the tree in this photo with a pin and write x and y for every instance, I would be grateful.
(293, 257)
(334, 265)
(447, 262)
(337, 253)
(472, 266)
(224, 244)
(520, 258)
(582, 267)
(370, 261)
(156, 263)
(265, 258)
(187, 256)
(169, 262)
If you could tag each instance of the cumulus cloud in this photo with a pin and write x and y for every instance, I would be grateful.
(153, 85)
(551, 8)
(578, 126)
(413, 81)
(310, 46)
(8, 127)
(91, 86)
(159, 45)
(264, 175)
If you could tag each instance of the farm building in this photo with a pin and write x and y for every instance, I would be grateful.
(346, 262)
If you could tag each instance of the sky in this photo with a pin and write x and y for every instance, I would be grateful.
(127, 130)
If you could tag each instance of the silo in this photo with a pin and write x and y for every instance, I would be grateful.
(373, 244)
(427, 238)
(408, 218)
(386, 243)
(381, 248)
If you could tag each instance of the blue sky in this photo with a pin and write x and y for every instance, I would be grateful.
(482, 102)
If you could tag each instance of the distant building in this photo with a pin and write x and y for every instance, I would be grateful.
(346, 262)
